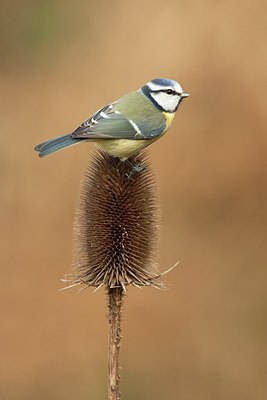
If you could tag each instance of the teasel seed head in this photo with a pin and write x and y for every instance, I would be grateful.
(116, 224)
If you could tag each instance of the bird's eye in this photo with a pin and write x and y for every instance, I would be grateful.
(169, 91)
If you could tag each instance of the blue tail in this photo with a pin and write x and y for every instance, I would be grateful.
(58, 143)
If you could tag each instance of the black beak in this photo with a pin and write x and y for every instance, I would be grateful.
(184, 95)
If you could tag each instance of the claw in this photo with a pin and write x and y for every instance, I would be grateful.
(135, 168)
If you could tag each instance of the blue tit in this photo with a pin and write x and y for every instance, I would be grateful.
(128, 125)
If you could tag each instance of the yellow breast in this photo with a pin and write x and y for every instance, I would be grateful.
(169, 118)
(123, 148)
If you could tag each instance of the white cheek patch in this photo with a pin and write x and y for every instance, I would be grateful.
(166, 101)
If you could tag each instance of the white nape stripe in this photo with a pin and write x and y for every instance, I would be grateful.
(154, 86)
(104, 115)
(117, 112)
(134, 125)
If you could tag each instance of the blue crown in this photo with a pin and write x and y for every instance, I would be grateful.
(163, 82)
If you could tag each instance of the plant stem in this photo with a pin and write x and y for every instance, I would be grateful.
(114, 341)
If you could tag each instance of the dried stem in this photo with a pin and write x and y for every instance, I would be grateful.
(116, 230)
(114, 341)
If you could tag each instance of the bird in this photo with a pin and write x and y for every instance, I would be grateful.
(125, 127)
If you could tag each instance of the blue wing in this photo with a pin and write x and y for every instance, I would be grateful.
(109, 124)
(104, 124)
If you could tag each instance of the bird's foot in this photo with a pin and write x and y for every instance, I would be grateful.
(135, 168)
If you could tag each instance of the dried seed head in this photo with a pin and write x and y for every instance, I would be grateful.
(116, 225)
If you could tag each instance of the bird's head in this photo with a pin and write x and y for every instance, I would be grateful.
(165, 94)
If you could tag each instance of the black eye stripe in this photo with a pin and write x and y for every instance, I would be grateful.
(168, 91)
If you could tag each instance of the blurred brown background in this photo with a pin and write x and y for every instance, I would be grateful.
(204, 338)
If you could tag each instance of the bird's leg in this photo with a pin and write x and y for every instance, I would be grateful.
(139, 167)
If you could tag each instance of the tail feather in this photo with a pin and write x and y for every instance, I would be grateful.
(53, 145)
